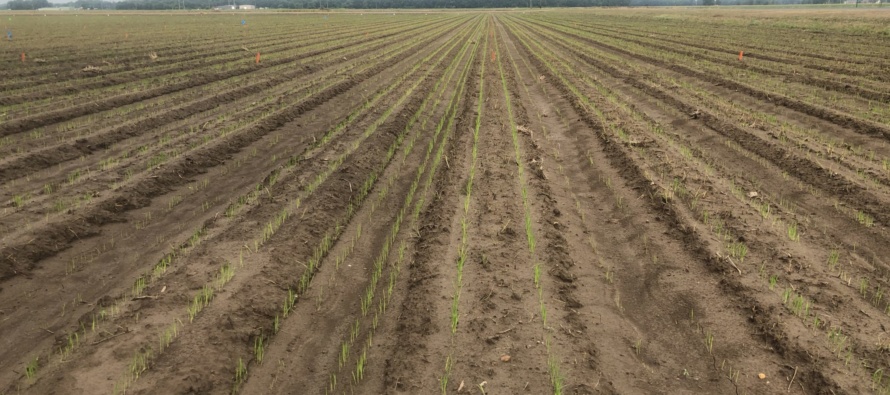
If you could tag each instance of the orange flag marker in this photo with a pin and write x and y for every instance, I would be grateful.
(741, 54)
(23, 57)
(257, 58)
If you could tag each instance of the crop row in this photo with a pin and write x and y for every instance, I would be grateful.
(814, 100)
(199, 113)
(806, 171)
(376, 68)
(147, 89)
(288, 102)
(35, 98)
(556, 377)
(169, 146)
(128, 50)
(603, 121)
(771, 39)
(133, 63)
(676, 189)
(313, 264)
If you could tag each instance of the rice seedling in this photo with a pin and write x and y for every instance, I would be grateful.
(709, 342)
(165, 338)
(793, 232)
(18, 201)
(738, 250)
(443, 381)
(139, 364)
(864, 219)
(259, 349)
(31, 368)
(200, 301)
(226, 272)
(557, 381)
(765, 210)
(139, 286)
(877, 296)
(360, 367)
(240, 372)
(833, 258)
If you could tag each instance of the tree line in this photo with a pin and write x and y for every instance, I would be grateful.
(368, 4)
(371, 4)
(27, 4)
(311, 4)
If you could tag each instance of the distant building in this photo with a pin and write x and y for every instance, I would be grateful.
(246, 7)
(225, 7)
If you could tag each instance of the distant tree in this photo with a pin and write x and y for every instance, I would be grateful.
(315, 4)
(28, 4)
(93, 4)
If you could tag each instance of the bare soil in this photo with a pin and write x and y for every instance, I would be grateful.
(462, 202)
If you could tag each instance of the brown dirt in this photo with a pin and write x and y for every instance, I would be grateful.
(484, 202)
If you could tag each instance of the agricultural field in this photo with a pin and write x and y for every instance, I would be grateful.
(483, 202)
